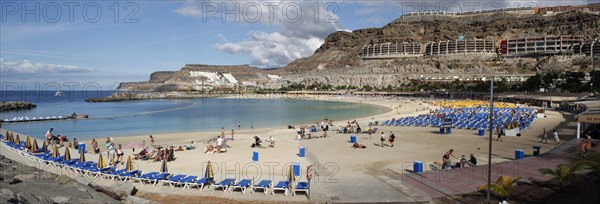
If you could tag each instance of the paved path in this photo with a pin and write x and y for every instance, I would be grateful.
(438, 183)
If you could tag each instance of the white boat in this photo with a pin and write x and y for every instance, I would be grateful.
(58, 93)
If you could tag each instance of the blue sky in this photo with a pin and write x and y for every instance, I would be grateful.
(90, 44)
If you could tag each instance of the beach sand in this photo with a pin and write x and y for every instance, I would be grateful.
(342, 173)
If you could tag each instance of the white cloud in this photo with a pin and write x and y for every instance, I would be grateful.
(300, 26)
(28, 67)
(272, 49)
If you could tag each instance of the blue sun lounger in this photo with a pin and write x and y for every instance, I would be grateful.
(281, 186)
(184, 181)
(242, 185)
(173, 179)
(159, 177)
(129, 175)
(301, 187)
(224, 184)
(200, 183)
(264, 185)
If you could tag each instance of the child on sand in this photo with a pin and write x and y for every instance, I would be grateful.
(382, 138)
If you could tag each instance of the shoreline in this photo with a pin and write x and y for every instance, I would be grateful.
(339, 168)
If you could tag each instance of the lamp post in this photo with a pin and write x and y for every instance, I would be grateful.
(489, 179)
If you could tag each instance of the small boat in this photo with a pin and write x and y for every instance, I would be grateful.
(58, 93)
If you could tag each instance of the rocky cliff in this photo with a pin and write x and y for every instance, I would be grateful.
(182, 81)
(341, 49)
(337, 60)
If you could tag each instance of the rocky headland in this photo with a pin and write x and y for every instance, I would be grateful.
(16, 105)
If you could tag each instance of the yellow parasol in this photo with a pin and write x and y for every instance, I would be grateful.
(291, 178)
(209, 171)
(34, 146)
(28, 142)
(67, 153)
(18, 140)
(55, 153)
(130, 164)
(101, 162)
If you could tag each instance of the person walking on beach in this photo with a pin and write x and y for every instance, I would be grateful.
(239, 125)
(222, 132)
(499, 136)
(252, 125)
(151, 140)
(219, 144)
(382, 139)
(544, 137)
(111, 154)
(556, 138)
(120, 154)
(391, 139)
(232, 133)
(95, 146)
(49, 136)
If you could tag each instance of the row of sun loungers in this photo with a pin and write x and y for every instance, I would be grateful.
(90, 168)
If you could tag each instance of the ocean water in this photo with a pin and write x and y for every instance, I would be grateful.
(162, 116)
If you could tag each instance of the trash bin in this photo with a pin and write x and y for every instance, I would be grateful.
(448, 130)
(442, 130)
(302, 151)
(81, 147)
(255, 155)
(353, 139)
(519, 154)
(536, 150)
(417, 167)
(296, 167)
(481, 132)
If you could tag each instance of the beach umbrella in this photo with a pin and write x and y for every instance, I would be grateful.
(27, 142)
(34, 146)
(44, 147)
(291, 178)
(18, 140)
(55, 153)
(163, 167)
(67, 153)
(81, 155)
(129, 164)
(209, 171)
(101, 163)
(6, 136)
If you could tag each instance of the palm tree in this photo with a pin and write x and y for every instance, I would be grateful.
(563, 174)
(503, 186)
(589, 161)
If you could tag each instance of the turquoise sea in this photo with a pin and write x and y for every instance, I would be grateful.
(161, 116)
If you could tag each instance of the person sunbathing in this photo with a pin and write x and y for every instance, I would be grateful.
(210, 149)
(158, 156)
(356, 145)
(148, 156)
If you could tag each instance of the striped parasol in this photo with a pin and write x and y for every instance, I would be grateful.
(67, 153)
(81, 155)
(18, 140)
(55, 153)
(101, 162)
(28, 142)
(10, 137)
(209, 171)
(291, 178)
(130, 164)
(34, 146)
(163, 167)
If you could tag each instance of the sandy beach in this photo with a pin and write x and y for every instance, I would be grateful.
(342, 173)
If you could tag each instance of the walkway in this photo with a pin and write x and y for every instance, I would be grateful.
(437, 183)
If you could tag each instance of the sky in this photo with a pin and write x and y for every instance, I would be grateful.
(97, 44)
